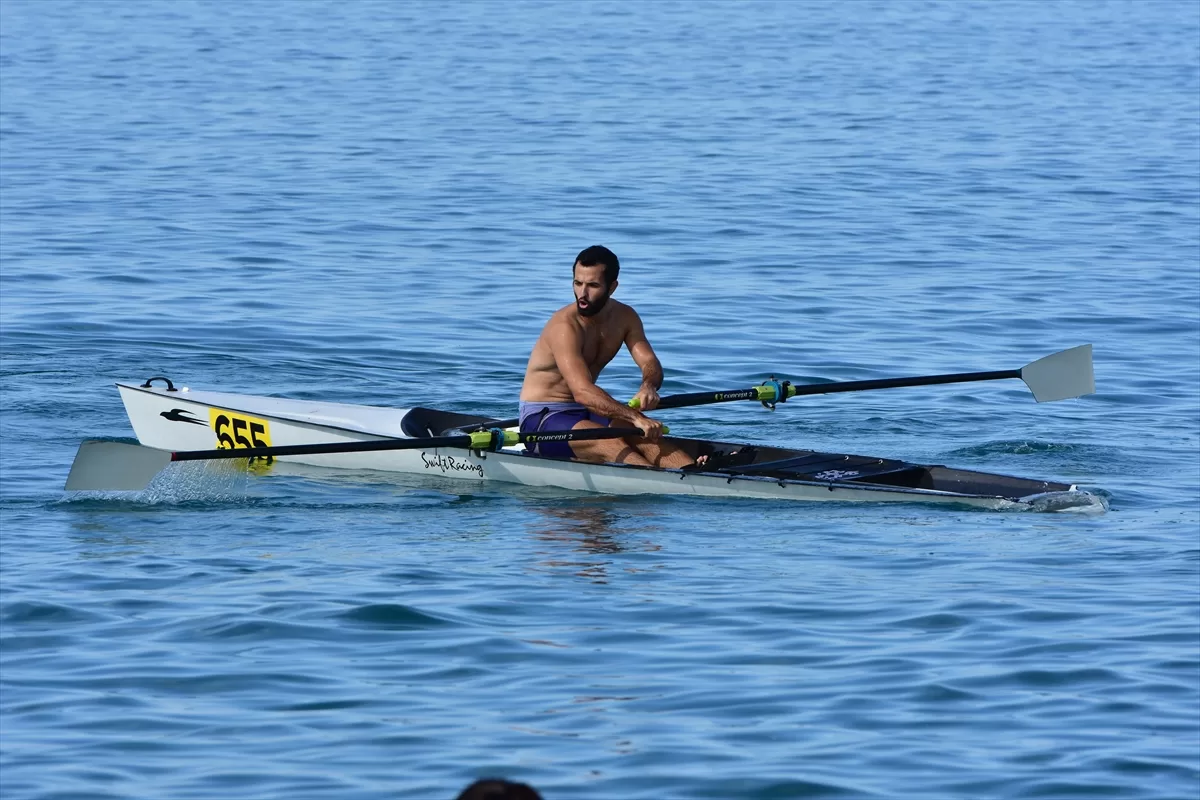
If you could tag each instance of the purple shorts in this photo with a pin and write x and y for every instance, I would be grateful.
(551, 417)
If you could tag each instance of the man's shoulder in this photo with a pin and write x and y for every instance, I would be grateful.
(563, 319)
(565, 315)
(624, 314)
(625, 309)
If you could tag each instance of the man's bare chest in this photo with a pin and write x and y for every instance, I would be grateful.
(600, 345)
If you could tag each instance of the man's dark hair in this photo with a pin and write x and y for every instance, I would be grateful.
(596, 256)
(499, 789)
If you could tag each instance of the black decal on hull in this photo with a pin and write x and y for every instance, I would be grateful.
(447, 464)
(177, 415)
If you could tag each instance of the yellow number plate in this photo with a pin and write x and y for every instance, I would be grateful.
(236, 430)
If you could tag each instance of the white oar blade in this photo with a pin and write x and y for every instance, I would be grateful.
(115, 467)
(1061, 376)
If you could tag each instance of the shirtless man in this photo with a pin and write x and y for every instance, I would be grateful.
(560, 391)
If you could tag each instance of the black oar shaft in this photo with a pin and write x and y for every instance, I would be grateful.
(895, 383)
(705, 398)
(1056, 377)
(318, 449)
(583, 434)
(371, 445)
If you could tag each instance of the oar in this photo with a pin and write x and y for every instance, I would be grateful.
(102, 466)
(1060, 376)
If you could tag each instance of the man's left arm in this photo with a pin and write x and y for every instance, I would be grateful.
(643, 356)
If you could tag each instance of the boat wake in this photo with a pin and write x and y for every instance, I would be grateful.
(1076, 502)
(183, 482)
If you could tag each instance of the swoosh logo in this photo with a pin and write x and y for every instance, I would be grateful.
(177, 415)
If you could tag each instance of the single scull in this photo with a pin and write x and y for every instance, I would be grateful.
(175, 424)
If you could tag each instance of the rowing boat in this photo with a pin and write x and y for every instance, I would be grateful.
(167, 420)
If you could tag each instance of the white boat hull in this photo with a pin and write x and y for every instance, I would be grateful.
(194, 420)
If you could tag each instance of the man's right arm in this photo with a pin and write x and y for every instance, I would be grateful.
(566, 343)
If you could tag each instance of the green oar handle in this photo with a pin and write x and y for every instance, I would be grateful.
(480, 440)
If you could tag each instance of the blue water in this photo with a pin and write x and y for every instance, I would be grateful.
(379, 203)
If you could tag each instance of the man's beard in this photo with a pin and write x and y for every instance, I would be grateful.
(592, 309)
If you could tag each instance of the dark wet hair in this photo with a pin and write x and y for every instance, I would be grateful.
(599, 256)
(498, 789)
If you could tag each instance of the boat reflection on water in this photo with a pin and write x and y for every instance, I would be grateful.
(591, 527)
